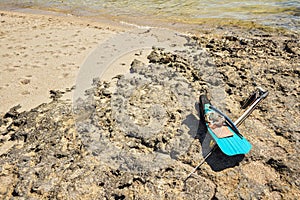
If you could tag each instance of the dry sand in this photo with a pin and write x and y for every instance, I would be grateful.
(39, 53)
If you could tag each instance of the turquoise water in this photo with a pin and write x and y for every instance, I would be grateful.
(278, 13)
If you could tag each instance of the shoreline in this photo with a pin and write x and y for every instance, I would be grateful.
(190, 25)
(242, 18)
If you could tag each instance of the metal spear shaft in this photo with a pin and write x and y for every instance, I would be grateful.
(262, 95)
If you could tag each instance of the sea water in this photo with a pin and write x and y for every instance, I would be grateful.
(278, 13)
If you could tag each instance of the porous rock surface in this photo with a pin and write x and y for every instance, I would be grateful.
(50, 152)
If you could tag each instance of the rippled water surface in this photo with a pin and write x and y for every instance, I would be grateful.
(280, 13)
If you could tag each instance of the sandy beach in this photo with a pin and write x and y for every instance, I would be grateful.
(140, 139)
(39, 53)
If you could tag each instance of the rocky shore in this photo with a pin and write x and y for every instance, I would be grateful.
(145, 152)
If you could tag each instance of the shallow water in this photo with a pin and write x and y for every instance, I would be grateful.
(278, 13)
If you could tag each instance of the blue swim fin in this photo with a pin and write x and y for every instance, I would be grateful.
(226, 134)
